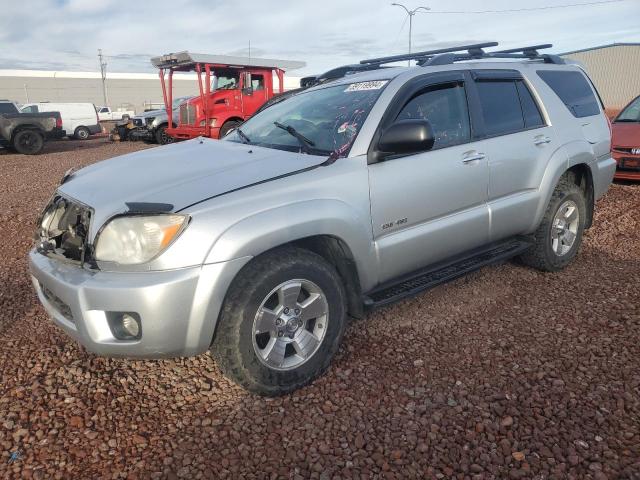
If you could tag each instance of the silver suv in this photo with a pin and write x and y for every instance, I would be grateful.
(370, 186)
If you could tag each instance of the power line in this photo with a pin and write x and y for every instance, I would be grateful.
(549, 7)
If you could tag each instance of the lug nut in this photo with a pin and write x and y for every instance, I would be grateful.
(278, 321)
(286, 310)
(319, 325)
(280, 333)
(297, 311)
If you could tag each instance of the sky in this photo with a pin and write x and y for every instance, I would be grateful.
(66, 34)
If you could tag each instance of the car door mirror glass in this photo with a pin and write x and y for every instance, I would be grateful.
(407, 136)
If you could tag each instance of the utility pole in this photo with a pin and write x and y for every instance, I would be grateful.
(411, 13)
(103, 73)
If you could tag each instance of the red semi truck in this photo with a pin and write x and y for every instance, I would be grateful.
(231, 90)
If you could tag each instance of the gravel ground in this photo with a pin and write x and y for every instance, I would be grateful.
(507, 373)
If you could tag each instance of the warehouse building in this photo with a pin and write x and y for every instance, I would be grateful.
(614, 69)
(128, 91)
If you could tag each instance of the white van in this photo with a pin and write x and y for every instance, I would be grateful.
(79, 120)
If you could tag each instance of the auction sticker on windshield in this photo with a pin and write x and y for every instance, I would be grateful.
(360, 86)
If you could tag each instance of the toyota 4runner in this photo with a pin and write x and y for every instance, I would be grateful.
(370, 186)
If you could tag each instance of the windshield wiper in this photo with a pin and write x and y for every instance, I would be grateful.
(304, 141)
(629, 120)
(243, 136)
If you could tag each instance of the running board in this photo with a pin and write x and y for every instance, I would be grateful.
(443, 272)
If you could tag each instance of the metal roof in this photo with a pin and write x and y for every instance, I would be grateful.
(187, 59)
(608, 45)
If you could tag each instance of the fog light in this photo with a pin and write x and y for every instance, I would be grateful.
(130, 325)
(125, 325)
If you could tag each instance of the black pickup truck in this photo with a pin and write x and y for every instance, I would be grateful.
(27, 132)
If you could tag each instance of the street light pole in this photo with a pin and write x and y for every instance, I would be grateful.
(411, 13)
(103, 74)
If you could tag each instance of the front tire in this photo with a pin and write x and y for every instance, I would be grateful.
(228, 126)
(558, 238)
(282, 322)
(82, 133)
(162, 137)
(28, 142)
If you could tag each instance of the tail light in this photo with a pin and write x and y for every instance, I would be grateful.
(58, 122)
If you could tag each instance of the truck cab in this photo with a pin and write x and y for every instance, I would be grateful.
(231, 90)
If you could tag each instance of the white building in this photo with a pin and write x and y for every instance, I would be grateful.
(134, 91)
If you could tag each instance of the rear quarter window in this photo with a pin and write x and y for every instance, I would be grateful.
(574, 91)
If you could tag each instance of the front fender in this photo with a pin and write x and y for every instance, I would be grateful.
(268, 229)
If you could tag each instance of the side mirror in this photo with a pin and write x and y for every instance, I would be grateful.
(407, 136)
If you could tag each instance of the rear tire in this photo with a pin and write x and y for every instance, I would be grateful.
(281, 323)
(558, 238)
(228, 126)
(28, 142)
(82, 133)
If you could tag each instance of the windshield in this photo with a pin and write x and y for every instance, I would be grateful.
(176, 103)
(631, 113)
(319, 122)
(225, 80)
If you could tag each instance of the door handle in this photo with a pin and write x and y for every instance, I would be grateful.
(473, 158)
(541, 140)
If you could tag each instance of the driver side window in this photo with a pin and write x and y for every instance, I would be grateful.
(444, 106)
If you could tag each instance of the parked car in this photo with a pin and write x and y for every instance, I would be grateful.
(105, 114)
(26, 133)
(152, 125)
(626, 141)
(349, 195)
(79, 120)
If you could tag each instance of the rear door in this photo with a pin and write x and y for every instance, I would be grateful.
(518, 142)
(430, 206)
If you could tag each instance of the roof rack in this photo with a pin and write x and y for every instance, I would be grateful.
(471, 49)
(441, 56)
(530, 53)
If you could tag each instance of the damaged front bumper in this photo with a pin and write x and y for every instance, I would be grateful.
(178, 309)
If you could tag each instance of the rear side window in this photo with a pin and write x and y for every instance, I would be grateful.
(445, 108)
(530, 111)
(30, 109)
(7, 108)
(574, 90)
(500, 107)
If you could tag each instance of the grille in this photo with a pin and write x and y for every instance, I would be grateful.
(630, 164)
(187, 114)
(58, 304)
(63, 229)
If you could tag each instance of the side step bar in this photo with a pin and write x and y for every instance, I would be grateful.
(430, 277)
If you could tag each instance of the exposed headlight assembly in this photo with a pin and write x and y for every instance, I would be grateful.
(135, 239)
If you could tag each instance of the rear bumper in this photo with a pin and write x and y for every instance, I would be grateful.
(178, 309)
(603, 171)
(57, 133)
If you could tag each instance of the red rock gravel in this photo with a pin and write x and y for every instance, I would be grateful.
(507, 373)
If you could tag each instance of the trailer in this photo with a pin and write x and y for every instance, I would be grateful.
(231, 89)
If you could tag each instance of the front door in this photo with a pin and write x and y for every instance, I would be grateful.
(254, 92)
(431, 206)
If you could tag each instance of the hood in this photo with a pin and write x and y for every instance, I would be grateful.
(152, 113)
(625, 134)
(180, 174)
